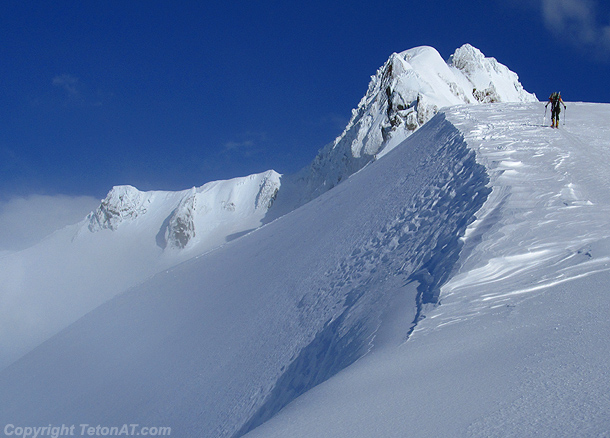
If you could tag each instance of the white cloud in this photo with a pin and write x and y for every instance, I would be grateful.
(26, 221)
(579, 22)
(247, 144)
(68, 83)
(232, 145)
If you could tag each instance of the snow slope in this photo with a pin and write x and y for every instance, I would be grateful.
(131, 236)
(220, 343)
(518, 346)
(504, 219)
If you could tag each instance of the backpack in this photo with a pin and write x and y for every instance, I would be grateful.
(555, 98)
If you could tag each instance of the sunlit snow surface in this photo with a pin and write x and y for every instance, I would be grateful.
(550, 206)
(503, 216)
(519, 345)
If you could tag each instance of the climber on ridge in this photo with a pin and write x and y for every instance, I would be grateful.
(556, 102)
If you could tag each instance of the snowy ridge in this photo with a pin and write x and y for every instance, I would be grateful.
(407, 91)
(419, 243)
(216, 209)
(131, 235)
(516, 346)
(312, 291)
(540, 216)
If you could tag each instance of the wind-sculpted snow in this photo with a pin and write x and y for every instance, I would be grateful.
(548, 211)
(518, 345)
(420, 242)
(218, 345)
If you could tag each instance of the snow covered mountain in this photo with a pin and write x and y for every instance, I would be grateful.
(305, 327)
(326, 321)
(131, 236)
(407, 91)
(207, 214)
(135, 234)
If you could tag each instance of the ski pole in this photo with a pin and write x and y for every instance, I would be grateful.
(544, 120)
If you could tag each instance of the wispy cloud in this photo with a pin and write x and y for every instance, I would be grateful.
(579, 22)
(585, 24)
(246, 144)
(77, 92)
(69, 83)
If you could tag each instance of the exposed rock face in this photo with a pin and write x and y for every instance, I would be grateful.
(123, 203)
(267, 193)
(181, 228)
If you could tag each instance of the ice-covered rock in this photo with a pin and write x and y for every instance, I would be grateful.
(219, 210)
(181, 228)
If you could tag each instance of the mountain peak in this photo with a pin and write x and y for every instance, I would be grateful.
(491, 81)
(215, 210)
(404, 94)
(122, 203)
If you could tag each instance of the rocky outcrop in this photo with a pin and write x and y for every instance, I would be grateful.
(123, 203)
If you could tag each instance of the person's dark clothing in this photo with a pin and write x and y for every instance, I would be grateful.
(556, 102)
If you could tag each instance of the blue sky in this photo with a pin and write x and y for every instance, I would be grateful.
(169, 95)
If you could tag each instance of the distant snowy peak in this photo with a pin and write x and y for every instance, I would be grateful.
(122, 203)
(213, 211)
(407, 91)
